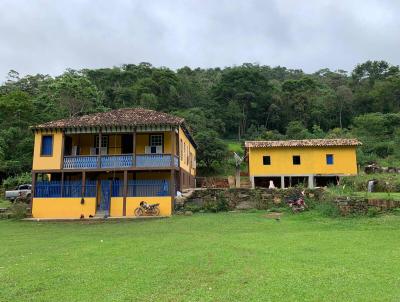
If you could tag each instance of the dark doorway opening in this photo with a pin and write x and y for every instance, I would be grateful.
(127, 143)
(296, 181)
(325, 181)
(265, 181)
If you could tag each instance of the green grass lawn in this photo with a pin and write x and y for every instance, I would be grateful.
(205, 257)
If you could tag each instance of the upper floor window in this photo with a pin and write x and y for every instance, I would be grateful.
(100, 147)
(296, 160)
(47, 145)
(329, 159)
(266, 160)
(156, 140)
(104, 141)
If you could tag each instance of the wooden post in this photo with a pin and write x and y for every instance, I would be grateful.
(173, 143)
(125, 191)
(83, 183)
(134, 148)
(99, 155)
(33, 184)
(62, 184)
(172, 189)
(237, 177)
(32, 190)
(172, 183)
(62, 150)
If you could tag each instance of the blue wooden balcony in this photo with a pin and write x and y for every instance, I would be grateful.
(120, 161)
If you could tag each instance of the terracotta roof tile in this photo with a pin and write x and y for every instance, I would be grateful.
(304, 143)
(119, 117)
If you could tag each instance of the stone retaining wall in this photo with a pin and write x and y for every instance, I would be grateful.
(230, 199)
(220, 199)
(363, 206)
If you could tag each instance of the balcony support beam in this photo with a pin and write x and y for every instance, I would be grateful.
(125, 191)
(134, 149)
(173, 144)
(172, 189)
(83, 183)
(62, 184)
(62, 150)
(99, 151)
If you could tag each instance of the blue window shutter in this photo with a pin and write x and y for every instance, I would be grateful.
(47, 145)
(329, 159)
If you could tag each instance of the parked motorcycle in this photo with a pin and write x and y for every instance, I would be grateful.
(297, 203)
(147, 209)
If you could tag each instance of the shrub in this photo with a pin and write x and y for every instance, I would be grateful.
(220, 204)
(373, 212)
(328, 209)
(193, 208)
(18, 210)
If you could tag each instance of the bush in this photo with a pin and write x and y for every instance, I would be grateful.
(18, 210)
(13, 181)
(384, 182)
(219, 205)
(328, 209)
(373, 212)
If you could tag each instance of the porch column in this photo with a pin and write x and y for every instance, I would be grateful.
(62, 184)
(253, 185)
(124, 193)
(134, 148)
(83, 183)
(99, 148)
(310, 181)
(33, 189)
(62, 150)
(282, 182)
(173, 144)
(33, 184)
(172, 189)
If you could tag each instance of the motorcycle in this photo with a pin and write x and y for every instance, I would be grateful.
(147, 209)
(297, 203)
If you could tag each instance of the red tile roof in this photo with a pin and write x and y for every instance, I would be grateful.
(304, 143)
(118, 117)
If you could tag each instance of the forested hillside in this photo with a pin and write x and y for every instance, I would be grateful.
(241, 102)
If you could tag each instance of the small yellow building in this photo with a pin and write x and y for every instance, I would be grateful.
(105, 164)
(313, 162)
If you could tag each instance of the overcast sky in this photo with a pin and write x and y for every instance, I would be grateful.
(50, 36)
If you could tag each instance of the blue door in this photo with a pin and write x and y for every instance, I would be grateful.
(105, 196)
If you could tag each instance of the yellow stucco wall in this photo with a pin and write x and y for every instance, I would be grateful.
(47, 162)
(132, 203)
(142, 140)
(313, 161)
(186, 148)
(86, 142)
(63, 207)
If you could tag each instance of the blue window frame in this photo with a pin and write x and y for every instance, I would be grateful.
(47, 145)
(329, 159)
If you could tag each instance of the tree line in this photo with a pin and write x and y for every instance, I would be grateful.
(249, 101)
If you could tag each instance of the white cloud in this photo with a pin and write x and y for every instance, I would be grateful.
(50, 36)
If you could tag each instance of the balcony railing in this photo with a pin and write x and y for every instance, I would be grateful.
(120, 161)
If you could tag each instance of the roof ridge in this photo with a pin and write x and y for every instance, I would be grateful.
(304, 142)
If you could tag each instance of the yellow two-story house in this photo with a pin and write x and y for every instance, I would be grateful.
(105, 164)
(311, 162)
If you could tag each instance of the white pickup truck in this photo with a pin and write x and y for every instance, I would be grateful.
(20, 191)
